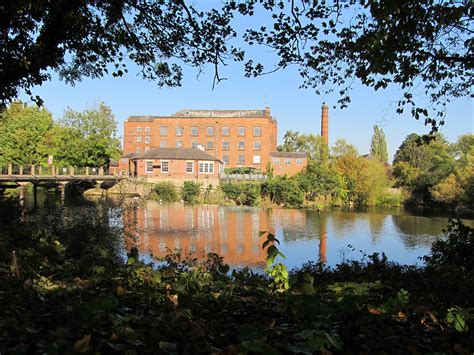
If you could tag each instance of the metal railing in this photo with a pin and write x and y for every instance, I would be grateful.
(242, 177)
(38, 170)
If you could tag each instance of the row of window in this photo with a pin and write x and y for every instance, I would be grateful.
(257, 145)
(210, 131)
(287, 162)
(241, 159)
(204, 167)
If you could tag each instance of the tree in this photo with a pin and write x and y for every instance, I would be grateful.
(378, 145)
(342, 148)
(92, 38)
(311, 144)
(408, 44)
(421, 163)
(23, 134)
(88, 138)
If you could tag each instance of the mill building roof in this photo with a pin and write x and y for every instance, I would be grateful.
(176, 154)
(299, 155)
(187, 113)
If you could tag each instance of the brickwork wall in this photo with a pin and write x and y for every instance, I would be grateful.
(213, 144)
(288, 166)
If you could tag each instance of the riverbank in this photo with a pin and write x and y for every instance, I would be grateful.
(68, 288)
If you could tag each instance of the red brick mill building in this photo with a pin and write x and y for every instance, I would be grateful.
(228, 138)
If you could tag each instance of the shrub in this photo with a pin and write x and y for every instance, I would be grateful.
(283, 191)
(246, 193)
(190, 191)
(165, 191)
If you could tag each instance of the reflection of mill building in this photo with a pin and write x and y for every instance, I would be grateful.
(232, 233)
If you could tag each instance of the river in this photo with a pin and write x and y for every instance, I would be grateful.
(305, 235)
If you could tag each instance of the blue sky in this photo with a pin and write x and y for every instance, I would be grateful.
(294, 108)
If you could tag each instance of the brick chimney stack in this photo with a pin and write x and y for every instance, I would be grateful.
(267, 112)
(325, 122)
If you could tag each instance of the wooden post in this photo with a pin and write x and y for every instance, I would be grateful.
(57, 170)
(71, 171)
(40, 170)
(10, 169)
(115, 171)
(87, 171)
(52, 170)
(101, 171)
(21, 170)
(32, 171)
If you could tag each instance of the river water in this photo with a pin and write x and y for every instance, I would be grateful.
(305, 235)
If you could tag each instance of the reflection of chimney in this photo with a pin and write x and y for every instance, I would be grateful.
(325, 122)
(267, 112)
(323, 236)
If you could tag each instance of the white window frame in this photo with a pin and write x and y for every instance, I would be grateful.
(147, 139)
(276, 161)
(197, 131)
(147, 129)
(147, 166)
(139, 150)
(179, 144)
(259, 145)
(257, 159)
(238, 160)
(299, 161)
(243, 145)
(190, 163)
(225, 145)
(165, 128)
(179, 131)
(207, 131)
(139, 139)
(206, 167)
(226, 129)
(167, 166)
(287, 161)
(207, 145)
(139, 129)
(147, 149)
(257, 127)
(241, 133)
(124, 160)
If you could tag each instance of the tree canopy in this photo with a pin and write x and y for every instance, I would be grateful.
(378, 145)
(311, 144)
(411, 44)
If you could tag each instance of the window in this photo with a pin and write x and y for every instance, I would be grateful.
(165, 166)
(139, 150)
(206, 167)
(225, 131)
(225, 158)
(149, 166)
(241, 131)
(147, 149)
(124, 160)
(147, 129)
(189, 166)
(122, 172)
(257, 145)
(225, 145)
(194, 131)
(163, 131)
(147, 140)
(299, 162)
(287, 161)
(139, 129)
(163, 143)
(139, 139)
(179, 131)
(194, 144)
(210, 145)
(179, 144)
(257, 131)
(276, 161)
(210, 131)
(241, 159)
(241, 145)
(256, 159)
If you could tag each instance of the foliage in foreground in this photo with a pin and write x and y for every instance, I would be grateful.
(68, 287)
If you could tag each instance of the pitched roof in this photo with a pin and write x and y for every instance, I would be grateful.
(176, 154)
(206, 114)
(300, 155)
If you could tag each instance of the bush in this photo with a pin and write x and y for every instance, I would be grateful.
(190, 191)
(246, 193)
(283, 191)
(165, 191)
